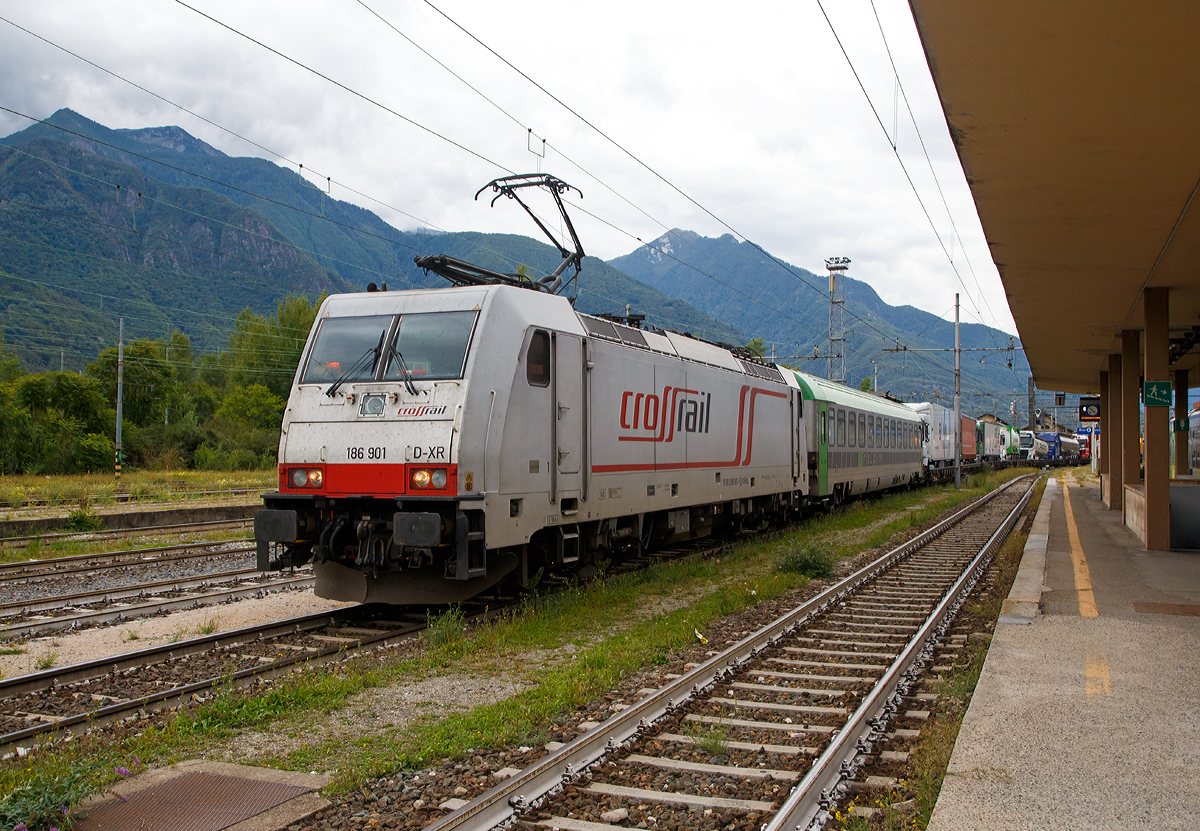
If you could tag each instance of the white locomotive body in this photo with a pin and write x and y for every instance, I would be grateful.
(439, 441)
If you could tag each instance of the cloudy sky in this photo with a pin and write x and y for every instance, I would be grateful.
(713, 117)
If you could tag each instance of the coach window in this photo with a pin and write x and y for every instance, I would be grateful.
(871, 431)
(853, 433)
(841, 430)
(537, 361)
(862, 430)
(879, 432)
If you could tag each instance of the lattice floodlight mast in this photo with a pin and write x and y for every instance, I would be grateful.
(837, 317)
(463, 273)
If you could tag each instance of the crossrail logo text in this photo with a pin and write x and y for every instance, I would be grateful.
(676, 410)
(421, 411)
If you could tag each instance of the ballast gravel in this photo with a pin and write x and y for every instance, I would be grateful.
(62, 649)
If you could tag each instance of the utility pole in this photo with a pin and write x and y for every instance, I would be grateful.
(1032, 425)
(957, 401)
(120, 387)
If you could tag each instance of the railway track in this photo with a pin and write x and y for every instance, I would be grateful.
(82, 697)
(81, 563)
(92, 609)
(774, 731)
(122, 533)
(120, 585)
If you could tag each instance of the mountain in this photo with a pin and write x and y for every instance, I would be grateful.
(76, 254)
(164, 230)
(788, 307)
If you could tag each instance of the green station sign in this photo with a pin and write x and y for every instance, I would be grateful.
(1157, 393)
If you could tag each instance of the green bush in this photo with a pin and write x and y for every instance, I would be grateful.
(83, 519)
(811, 560)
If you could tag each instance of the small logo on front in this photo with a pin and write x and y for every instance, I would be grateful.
(421, 411)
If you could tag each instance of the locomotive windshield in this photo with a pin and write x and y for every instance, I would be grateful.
(1026, 441)
(433, 346)
(346, 348)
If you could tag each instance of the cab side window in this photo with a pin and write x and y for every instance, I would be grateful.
(537, 360)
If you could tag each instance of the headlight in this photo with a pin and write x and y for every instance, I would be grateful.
(429, 478)
(306, 477)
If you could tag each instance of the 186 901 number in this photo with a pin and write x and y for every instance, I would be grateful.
(372, 453)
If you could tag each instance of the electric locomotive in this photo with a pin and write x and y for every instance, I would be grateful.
(439, 442)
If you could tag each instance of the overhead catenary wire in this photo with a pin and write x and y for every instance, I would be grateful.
(348, 89)
(592, 176)
(933, 172)
(895, 152)
(365, 98)
(667, 182)
(883, 336)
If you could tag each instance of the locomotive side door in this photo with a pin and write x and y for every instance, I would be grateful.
(568, 411)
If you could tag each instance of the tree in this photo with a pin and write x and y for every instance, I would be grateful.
(865, 385)
(266, 350)
(253, 406)
(149, 379)
(76, 397)
(757, 347)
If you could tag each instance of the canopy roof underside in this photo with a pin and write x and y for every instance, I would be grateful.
(1078, 128)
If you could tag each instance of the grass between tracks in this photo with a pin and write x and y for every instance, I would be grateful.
(17, 492)
(565, 650)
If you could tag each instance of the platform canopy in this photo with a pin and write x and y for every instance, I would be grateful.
(1078, 127)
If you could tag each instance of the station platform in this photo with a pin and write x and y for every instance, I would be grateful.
(1087, 713)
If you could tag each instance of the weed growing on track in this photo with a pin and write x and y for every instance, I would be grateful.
(713, 739)
(209, 626)
(46, 659)
(445, 630)
(37, 547)
(82, 519)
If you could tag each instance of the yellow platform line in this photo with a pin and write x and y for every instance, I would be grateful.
(1083, 577)
(1096, 674)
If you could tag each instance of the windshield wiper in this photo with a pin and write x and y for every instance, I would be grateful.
(405, 374)
(374, 353)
